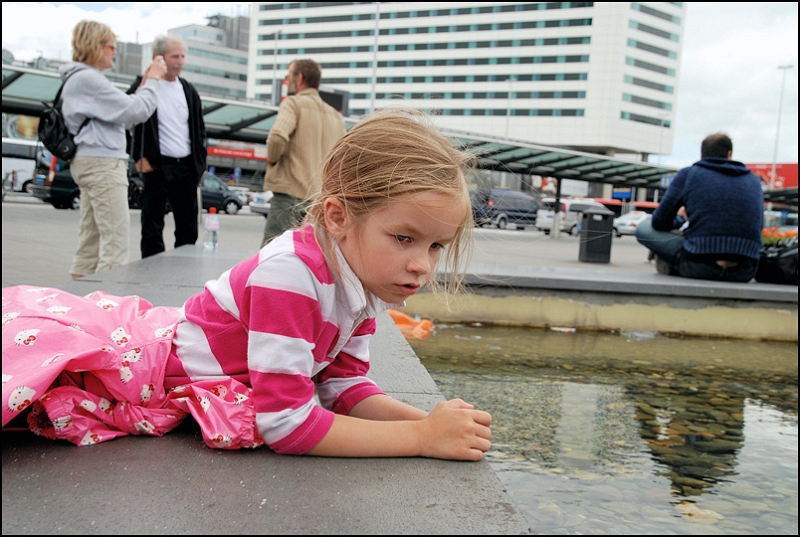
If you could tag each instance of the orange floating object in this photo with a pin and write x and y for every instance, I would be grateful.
(411, 329)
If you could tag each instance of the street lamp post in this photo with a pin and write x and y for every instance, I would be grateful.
(508, 106)
(375, 34)
(276, 97)
(662, 124)
(784, 68)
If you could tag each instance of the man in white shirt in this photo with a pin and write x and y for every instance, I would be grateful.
(170, 149)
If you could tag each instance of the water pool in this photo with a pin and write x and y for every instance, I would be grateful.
(631, 433)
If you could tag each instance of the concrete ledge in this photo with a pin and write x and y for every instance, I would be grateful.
(623, 282)
(175, 484)
(615, 300)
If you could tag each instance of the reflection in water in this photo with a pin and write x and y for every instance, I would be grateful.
(632, 433)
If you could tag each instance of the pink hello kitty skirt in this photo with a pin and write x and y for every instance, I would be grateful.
(92, 369)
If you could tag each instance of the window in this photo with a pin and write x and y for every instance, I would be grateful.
(646, 102)
(215, 72)
(653, 31)
(650, 48)
(199, 53)
(655, 13)
(647, 84)
(645, 119)
(650, 66)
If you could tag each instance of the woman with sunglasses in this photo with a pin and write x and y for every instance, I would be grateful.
(100, 113)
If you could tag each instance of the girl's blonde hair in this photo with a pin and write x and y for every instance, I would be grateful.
(390, 154)
(88, 38)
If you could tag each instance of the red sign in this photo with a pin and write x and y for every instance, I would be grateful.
(249, 154)
(785, 174)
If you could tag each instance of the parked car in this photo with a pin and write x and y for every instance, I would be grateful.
(19, 180)
(569, 214)
(782, 220)
(218, 194)
(479, 209)
(63, 193)
(260, 202)
(503, 208)
(243, 192)
(627, 223)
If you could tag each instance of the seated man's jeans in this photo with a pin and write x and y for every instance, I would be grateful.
(668, 246)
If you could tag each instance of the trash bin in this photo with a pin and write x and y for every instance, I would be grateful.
(597, 230)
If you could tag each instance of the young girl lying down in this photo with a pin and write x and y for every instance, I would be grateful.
(276, 350)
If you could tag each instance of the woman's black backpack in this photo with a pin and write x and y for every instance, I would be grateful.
(53, 132)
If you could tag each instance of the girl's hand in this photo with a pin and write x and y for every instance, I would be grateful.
(455, 430)
(380, 426)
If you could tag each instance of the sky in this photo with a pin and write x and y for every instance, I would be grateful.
(729, 80)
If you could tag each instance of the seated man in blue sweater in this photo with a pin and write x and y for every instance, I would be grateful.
(708, 225)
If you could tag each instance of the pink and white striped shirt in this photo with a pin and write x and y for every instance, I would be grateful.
(284, 324)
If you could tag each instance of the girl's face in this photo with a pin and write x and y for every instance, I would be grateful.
(394, 251)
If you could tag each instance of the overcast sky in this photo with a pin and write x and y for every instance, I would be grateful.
(729, 79)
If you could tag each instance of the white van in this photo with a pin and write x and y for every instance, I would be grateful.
(18, 174)
(570, 214)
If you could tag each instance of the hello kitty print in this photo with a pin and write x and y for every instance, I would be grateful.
(123, 342)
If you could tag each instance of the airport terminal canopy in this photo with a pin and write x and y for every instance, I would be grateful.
(24, 91)
(524, 158)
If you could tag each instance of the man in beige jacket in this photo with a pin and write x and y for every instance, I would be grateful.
(304, 132)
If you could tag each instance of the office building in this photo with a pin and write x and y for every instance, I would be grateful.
(128, 60)
(216, 55)
(216, 64)
(599, 77)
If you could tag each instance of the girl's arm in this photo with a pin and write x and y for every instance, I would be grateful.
(385, 408)
(382, 427)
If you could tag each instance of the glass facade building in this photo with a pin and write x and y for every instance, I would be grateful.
(593, 76)
(216, 55)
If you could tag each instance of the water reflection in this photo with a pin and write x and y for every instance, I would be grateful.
(658, 432)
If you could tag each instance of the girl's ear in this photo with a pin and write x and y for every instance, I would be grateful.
(336, 218)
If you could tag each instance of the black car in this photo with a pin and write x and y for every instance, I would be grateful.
(217, 194)
(63, 193)
(480, 209)
(502, 208)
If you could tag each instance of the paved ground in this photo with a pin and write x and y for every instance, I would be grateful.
(32, 227)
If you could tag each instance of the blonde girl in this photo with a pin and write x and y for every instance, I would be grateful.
(276, 350)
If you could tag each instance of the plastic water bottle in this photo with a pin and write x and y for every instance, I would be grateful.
(211, 236)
